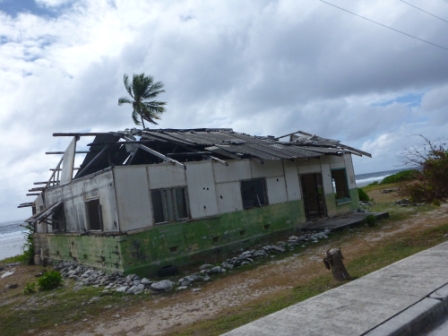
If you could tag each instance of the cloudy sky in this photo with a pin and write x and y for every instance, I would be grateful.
(261, 67)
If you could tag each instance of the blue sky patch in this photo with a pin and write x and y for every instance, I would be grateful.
(411, 100)
(15, 7)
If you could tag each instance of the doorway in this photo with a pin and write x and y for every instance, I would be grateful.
(313, 196)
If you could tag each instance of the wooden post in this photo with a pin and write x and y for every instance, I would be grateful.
(333, 260)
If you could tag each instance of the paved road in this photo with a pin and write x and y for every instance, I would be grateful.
(390, 299)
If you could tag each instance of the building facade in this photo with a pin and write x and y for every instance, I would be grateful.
(151, 210)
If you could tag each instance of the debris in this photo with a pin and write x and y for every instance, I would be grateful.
(8, 273)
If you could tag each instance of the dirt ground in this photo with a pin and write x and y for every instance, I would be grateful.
(169, 313)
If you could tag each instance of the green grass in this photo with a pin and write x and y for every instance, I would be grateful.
(58, 307)
(373, 260)
(64, 306)
(403, 176)
(17, 258)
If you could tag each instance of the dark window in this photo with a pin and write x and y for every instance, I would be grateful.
(253, 193)
(340, 186)
(58, 218)
(169, 205)
(94, 217)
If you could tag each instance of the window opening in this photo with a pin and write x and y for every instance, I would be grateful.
(253, 193)
(169, 205)
(340, 185)
(94, 217)
(58, 218)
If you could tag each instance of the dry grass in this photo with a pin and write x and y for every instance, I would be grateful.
(234, 299)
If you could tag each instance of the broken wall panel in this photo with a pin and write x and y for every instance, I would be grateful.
(266, 169)
(229, 197)
(133, 198)
(292, 181)
(351, 179)
(276, 190)
(166, 175)
(236, 170)
(201, 189)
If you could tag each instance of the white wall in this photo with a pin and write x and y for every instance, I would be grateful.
(350, 171)
(293, 189)
(229, 197)
(166, 175)
(201, 189)
(75, 194)
(133, 197)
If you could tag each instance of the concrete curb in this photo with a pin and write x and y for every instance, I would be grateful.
(415, 319)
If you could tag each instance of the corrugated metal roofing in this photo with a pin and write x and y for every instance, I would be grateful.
(225, 141)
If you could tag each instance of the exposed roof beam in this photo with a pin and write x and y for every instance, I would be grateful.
(156, 153)
(33, 194)
(24, 205)
(81, 134)
(59, 169)
(77, 152)
(218, 160)
(38, 189)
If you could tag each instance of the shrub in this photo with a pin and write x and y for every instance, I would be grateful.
(363, 196)
(27, 257)
(432, 181)
(30, 288)
(403, 176)
(370, 220)
(50, 280)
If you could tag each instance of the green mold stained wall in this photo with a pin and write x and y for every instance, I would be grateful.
(197, 241)
(102, 252)
(334, 209)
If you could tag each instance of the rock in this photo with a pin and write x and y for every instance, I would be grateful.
(94, 299)
(121, 289)
(162, 286)
(216, 270)
(227, 265)
(205, 267)
(12, 286)
(145, 281)
(195, 289)
(8, 273)
(244, 263)
(277, 249)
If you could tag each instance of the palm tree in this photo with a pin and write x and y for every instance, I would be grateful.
(142, 90)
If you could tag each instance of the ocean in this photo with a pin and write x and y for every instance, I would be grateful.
(12, 238)
(12, 235)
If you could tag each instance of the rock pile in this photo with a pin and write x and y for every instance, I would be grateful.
(133, 284)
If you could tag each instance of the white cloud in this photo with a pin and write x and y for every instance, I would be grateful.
(265, 67)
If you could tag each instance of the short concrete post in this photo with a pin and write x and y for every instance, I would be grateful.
(333, 260)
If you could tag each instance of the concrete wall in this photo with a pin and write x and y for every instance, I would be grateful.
(102, 252)
(74, 195)
(207, 240)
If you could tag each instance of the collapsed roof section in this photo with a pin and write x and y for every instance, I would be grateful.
(151, 146)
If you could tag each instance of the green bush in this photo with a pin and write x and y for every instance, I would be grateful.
(363, 197)
(50, 280)
(374, 183)
(405, 175)
(370, 220)
(27, 257)
(30, 288)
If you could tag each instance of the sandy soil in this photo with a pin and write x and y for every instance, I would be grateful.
(185, 308)
(168, 313)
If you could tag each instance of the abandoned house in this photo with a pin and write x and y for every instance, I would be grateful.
(145, 199)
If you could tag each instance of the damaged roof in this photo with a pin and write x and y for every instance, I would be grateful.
(177, 146)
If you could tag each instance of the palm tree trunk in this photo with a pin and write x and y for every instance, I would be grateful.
(333, 260)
